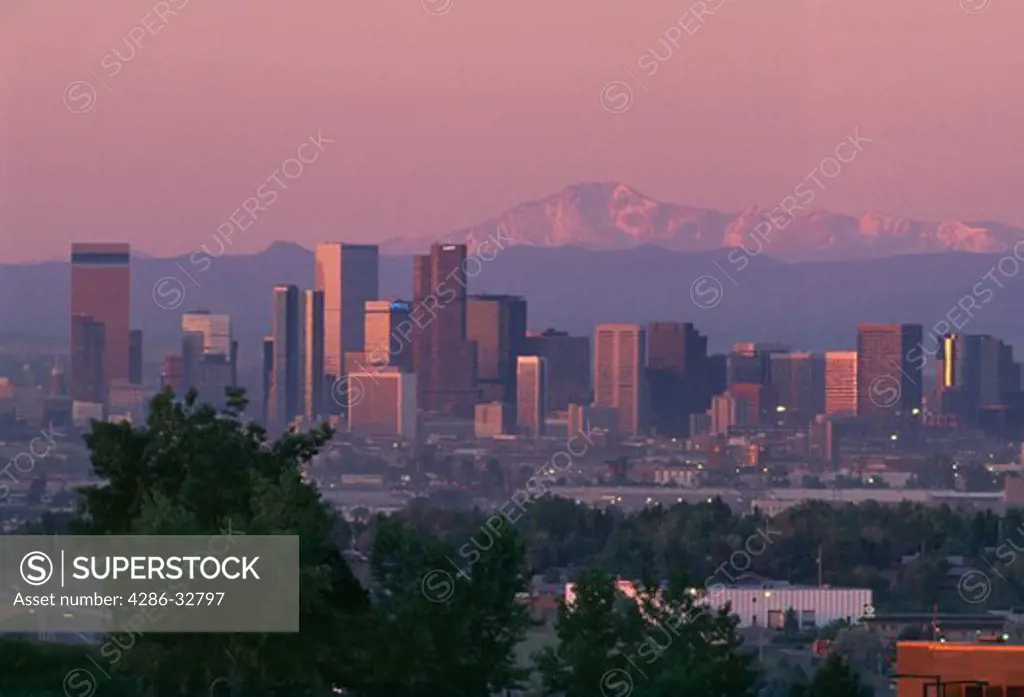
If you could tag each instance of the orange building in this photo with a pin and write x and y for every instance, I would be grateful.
(943, 669)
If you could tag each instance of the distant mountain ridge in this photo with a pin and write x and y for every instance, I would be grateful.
(611, 215)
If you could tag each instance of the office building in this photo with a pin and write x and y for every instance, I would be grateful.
(569, 367)
(172, 375)
(58, 383)
(841, 384)
(950, 668)
(215, 330)
(751, 362)
(88, 341)
(442, 355)
(975, 371)
(677, 375)
(268, 377)
(388, 334)
(531, 401)
(313, 378)
(348, 275)
(718, 373)
(382, 404)
(492, 419)
(578, 419)
(889, 382)
(101, 289)
(135, 357)
(286, 388)
(620, 359)
(756, 403)
(192, 361)
(496, 324)
(799, 382)
(765, 603)
(724, 414)
(128, 402)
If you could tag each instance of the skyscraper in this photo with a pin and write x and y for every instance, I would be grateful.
(348, 274)
(975, 370)
(268, 378)
(209, 355)
(799, 381)
(286, 388)
(422, 339)
(101, 289)
(568, 366)
(313, 354)
(888, 381)
(87, 344)
(388, 338)
(841, 383)
(192, 361)
(619, 374)
(751, 362)
(382, 403)
(214, 329)
(531, 397)
(135, 357)
(496, 324)
(443, 355)
(172, 374)
(676, 375)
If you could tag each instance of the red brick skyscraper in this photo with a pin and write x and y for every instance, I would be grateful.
(442, 355)
(101, 290)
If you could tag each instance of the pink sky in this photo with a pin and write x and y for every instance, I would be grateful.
(441, 121)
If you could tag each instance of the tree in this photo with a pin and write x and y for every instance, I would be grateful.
(833, 679)
(591, 635)
(193, 471)
(859, 647)
(658, 645)
(441, 629)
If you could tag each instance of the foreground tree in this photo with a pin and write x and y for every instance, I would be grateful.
(661, 644)
(194, 471)
(441, 628)
(835, 678)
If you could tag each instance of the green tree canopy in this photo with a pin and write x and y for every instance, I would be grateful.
(835, 678)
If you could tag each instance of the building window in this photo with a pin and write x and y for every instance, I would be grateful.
(972, 691)
(808, 618)
(994, 691)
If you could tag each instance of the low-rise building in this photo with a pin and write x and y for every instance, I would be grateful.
(948, 669)
(766, 604)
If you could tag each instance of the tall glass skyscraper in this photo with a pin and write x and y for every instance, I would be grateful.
(287, 394)
(348, 275)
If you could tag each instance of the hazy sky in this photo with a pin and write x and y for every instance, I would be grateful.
(441, 120)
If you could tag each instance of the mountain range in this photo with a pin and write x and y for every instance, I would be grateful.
(610, 215)
(603, 252)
